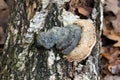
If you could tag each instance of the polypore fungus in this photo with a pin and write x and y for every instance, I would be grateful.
(86, 43)
(63, 38)
(75, 40)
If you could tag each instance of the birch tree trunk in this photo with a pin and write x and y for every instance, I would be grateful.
(21, 60)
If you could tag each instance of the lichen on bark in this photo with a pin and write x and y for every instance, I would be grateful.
(22, 60)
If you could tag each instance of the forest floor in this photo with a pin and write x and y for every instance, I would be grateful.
(110, 49)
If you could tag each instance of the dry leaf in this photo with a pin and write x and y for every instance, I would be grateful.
(73, 5)
(114, 67)
(110, 61)
(31, 6)
(2, 36)
(110, 77)
(115, 37)
(106, 56)
(84, 10)
(117, 44)
(112, 5)
(82, 7)
(116, 24)
(4, 11)
(112, 33)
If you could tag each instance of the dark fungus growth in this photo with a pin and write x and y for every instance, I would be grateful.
(63, 38)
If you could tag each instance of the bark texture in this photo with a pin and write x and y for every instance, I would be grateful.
(21, 60)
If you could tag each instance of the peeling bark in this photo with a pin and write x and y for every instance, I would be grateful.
(22, 60)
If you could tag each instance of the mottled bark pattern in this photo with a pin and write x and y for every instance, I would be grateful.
(21, 60)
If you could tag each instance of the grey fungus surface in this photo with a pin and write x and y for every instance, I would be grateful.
(77, 31)
(63, 38)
